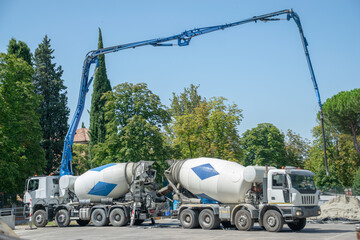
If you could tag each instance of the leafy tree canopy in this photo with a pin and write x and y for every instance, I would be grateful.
(264, 145)
(296, 148)
(186, 102)
(342, 159)
(20, 152)
(342, 112)
(135, 118)
(20, 50)
(205, 128)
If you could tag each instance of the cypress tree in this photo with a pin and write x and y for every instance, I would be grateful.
(97, 113)
(53, 107)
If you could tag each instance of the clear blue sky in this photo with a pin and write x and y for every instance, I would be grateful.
(259, 66)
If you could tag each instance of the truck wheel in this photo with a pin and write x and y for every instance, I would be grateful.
(297, 226)
(117, 217)
(243, 220)
(273, 221)
(62, 218)
(98, 217)
(189, 218)
(40, 219)
(208, 220)
(82, 222)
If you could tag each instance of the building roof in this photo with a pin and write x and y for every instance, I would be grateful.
(82, 136)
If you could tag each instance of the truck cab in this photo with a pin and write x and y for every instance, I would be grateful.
(41, 192)
(291, 186)
(292, 193)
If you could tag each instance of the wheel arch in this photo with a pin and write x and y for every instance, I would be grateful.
(251, 209)
(266, 208)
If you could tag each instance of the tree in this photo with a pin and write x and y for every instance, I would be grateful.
(135, 118)
(80, 158)
(264, 145)
(342, 159)
(20, 50)
(53, 107)
(297, 149)
(205, 128)
(342, 112)
(356, 185)
(97, 114)
(186, 102)
(20, 133)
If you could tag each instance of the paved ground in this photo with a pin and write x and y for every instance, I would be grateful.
(170, 229)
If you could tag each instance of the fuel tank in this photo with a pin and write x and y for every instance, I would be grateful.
(211, 178)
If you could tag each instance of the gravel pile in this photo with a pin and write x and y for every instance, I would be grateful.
(341, 207)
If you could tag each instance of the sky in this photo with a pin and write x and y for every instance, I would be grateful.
(261, 67)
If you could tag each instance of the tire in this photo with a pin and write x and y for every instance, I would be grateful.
(118, 218)
(227, 224)
(82, 222)
(297, 226)
(98, 217)
(62, 218)
(208, 220)
(243, 220)
(189, 218)
(273, 221)
(40, 219)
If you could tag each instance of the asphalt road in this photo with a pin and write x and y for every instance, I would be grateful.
(170, 229)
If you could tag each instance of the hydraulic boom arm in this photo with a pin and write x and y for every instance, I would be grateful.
(182, 39)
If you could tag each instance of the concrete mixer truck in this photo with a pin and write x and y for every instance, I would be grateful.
(212, 191)
(118, 193)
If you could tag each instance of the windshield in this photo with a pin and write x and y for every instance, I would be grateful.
(304, 184)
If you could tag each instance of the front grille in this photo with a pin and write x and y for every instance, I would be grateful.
(308, 199)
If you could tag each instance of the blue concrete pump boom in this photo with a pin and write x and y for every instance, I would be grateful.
(182, 39)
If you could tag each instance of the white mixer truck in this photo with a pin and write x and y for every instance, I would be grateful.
(241, 195)
(115, 193)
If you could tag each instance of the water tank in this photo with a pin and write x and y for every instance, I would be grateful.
(211, 178)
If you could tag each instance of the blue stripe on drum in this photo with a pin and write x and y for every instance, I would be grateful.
(206, 199)
(98, 169)
(205, 171)
(102, 189)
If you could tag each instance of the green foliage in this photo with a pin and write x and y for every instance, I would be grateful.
(80, 158)
(97, 113)
(342, 159)
(264, 145)
(20, 50)
(342, 112)
(186, 102)
(205, 128)
(20, 152)
(356, 185)
(296, 149)
(53, 107)
(135, 117)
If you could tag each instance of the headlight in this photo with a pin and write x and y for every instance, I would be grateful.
(319, 212)
(299, 213)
